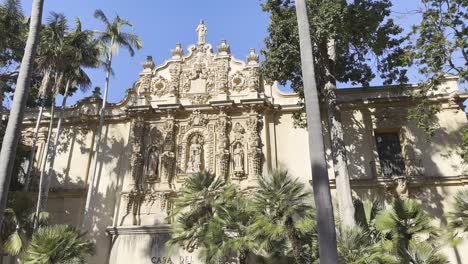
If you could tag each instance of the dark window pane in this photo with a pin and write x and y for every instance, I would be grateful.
(390, 156)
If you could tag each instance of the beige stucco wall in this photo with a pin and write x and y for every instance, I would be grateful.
(128, 231)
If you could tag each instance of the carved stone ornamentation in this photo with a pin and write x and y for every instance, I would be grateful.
(222, 72)
(253, 81)
(224, 48)
(252, 58)
(255, 154)
(177, 52)
(159, 85)
(238, 160)
(168, 155)
(198, 119)
(201, 32)
(145, 85)
(134, 200)
(175, 72)
(195, 161)
(137, 138)
(152, 164)
(401, 188)
(238, 82)
(238, 132)
(148, 64)
(195, 147)
(222, 154)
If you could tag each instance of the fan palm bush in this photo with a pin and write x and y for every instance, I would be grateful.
(17, 226)
(227, 232)
(194, 207)
(424, 253)
(365, 212)
(284, 220)
(458, 217)
(358, 246)
(402, 222)
(58, 244)
(203, 216)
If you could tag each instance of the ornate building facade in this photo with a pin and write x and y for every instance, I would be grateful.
(208, 111)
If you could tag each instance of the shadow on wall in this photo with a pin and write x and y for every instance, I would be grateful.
(68, 190)
(438, 154)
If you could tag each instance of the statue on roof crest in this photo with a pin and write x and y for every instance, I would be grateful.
(201, 31)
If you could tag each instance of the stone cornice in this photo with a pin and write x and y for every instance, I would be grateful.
(131, 230)
(413, 182)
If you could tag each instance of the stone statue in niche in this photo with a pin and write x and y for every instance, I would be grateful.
(195, 155)
(201, 31)
(152, 164)
(238, 159)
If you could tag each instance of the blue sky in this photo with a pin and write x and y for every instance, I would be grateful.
(162, 23)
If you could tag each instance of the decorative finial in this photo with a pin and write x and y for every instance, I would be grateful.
(201, 31)
(96, 92)
(252, 58)
(148, 64)
(224, 48)
(178, 52)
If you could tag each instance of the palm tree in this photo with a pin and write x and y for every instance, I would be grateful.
(424, 253)
(357, 246)
(48, 61)
(58, 244)
(365, 212)
(13, 129)
(17, 227)
(80, 50)
(111, 40)
(458, 217)
(213, 216)
(320, 181)
(283, 215)
(402, 222)
(227, 232)
(201, 195)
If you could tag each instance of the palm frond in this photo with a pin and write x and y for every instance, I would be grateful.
(458, 217)
(60, 243)
(99, 14)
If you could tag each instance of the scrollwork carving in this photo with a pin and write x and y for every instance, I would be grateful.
(145, 85)
(175, 73)
(168, 155)
(255, 154)
(222, 70)
(159, 85)
(222, 126)
(198, 119)
(138, 129)
(238, 82)
(253, 81)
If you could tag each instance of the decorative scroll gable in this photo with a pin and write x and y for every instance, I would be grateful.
(200, 77)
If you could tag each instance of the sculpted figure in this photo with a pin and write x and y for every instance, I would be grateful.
(202, 30)
(195, 158)
(238, 157)
(152, 164)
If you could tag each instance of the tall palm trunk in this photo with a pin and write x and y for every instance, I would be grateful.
(41, 205)
(32, 156)
(320, 181)
(13, 130)
(343, 188)
(53, 148)
(98, 141)
(42, 90)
